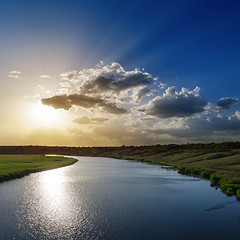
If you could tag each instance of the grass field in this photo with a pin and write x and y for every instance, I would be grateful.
(15, 166)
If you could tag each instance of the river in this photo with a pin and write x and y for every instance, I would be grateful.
(103, 198)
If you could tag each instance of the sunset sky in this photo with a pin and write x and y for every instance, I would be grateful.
(98, 73)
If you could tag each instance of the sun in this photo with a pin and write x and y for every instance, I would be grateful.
(45, 116)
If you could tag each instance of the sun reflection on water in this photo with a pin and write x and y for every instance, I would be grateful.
(59, 212)
(52, 184)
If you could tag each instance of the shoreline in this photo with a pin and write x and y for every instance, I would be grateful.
(217, 162)
(226, 185)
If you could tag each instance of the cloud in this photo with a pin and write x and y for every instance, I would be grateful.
(44, 76)
(14, 74)
(166, 116)
(87, 120)
(144, 92)
(226, 103)
(109, 79)
(104, 84)
(67, 101)
(174, 104)
(103, 88)
(70, 75)
(58, 102)
(202, 128)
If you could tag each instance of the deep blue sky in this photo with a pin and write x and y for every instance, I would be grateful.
(187, 43)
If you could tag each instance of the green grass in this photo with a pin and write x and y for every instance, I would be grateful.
(15, 166)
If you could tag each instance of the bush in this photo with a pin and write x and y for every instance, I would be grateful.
(230, 191)
(238, 193)
(205, 174)
(195, 171)
(215, 179)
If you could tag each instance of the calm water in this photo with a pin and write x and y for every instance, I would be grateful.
(101, 198)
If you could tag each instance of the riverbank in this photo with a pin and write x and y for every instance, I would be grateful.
(218, 162)
(16, 166)
(220, 166)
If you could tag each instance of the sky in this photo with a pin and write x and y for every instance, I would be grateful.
(111, 73)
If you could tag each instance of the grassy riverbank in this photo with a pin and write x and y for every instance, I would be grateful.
(15, 166)
(218, 162)
(219, 165)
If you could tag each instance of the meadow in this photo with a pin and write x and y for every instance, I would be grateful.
(16, 166)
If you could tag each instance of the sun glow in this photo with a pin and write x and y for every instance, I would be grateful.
(45, 115)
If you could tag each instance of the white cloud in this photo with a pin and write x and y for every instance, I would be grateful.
(44, 76)
(174, 104)
(13, 76)
(14, 72)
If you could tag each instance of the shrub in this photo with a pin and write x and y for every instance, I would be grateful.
(215, 179)
(230, 191)
(205, 174)
(238, 193)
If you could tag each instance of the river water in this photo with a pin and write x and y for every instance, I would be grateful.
(103, 198)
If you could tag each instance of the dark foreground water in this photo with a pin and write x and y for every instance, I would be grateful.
(100, 198)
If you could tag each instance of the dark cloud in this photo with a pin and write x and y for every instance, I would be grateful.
(115, 84)
(144, 92)
(173, 104)
(58, 102)
(203, 128)
(87, 120)
(67, 101)
(227, 103)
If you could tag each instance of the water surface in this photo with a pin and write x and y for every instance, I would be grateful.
(102, 198)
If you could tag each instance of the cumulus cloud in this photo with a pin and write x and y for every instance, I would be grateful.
(173, 116)
(87, 120)
(112, 78)
(67, 101)
(103, 87)
(226, 103)
(70, 75)
(174, 104)
(144, 92)
(104, 84)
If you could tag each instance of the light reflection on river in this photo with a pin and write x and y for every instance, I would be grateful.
(100, 198)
